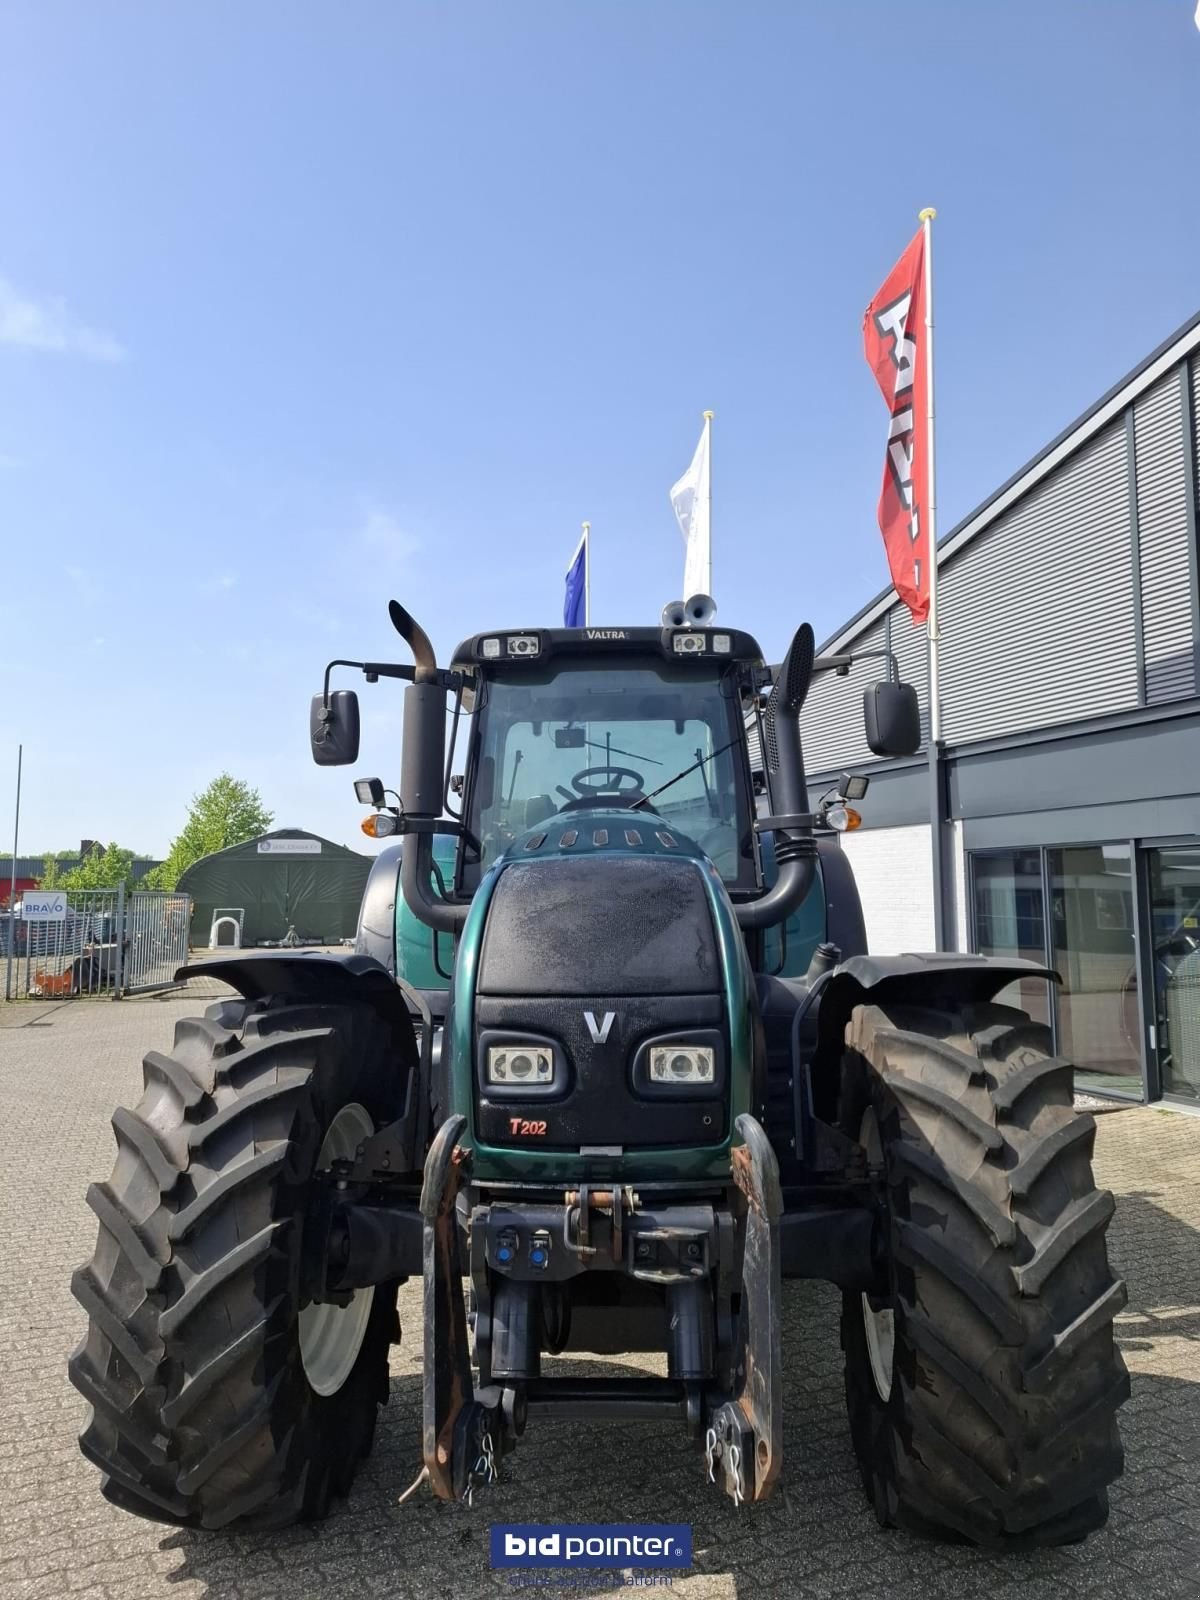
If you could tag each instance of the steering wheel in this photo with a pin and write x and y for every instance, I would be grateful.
(603, 783)
(606, 783)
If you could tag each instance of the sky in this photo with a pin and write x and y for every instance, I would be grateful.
(303, 306)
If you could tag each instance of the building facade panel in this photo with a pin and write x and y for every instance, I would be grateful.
(908, 645)
(1163, 534)
(1013, 656)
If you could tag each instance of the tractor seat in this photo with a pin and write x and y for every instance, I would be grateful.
(537, 808)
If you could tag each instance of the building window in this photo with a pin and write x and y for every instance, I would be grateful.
(1174, 878)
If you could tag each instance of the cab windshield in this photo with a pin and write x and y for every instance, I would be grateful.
(549, 742)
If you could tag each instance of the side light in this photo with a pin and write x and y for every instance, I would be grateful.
(843, 818)
(722, 644)
(489, 649)
(520, 1063)
(681, 1063)
(380, 825)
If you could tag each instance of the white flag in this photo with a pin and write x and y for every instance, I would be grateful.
(691, 499)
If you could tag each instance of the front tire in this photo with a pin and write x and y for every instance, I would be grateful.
(982, 1385)
(218, 1394)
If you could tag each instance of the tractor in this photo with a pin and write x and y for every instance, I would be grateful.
(609, 1063)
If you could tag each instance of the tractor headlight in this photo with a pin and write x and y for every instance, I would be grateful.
(681, 1063)
(524, 644)
(689, 644)
(520, 1063)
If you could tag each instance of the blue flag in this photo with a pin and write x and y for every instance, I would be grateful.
(575, 598)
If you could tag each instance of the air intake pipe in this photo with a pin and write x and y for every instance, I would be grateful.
(422, 776)
(783, 757)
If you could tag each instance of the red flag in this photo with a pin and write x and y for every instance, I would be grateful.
(894, 343)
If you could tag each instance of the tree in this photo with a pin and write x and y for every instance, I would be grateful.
(99, 869)
(52, 873)
(227, 812)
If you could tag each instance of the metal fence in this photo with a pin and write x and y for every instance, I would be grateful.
(96, 942)
(156, 940)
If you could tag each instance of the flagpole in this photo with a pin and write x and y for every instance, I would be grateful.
(935, 709)
(944, 936)
(587, 574)
(708, 422)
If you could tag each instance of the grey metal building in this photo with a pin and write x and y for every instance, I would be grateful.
(1069, 778)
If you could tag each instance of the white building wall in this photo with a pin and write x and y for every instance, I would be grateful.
(893, 868)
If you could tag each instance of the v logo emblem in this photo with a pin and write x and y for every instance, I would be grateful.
(599, 1030)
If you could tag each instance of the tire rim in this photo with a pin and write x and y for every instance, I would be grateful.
(879, 1324)
(331, 1335)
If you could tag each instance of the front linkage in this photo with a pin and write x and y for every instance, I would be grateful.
(724, 1364)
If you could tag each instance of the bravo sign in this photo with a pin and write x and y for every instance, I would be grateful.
(44, 905)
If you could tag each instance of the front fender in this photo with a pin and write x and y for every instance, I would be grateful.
(320, 976)
(945, 980)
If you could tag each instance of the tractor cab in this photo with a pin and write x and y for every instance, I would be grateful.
(645, 721)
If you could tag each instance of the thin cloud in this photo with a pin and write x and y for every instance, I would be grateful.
(47, 324)
(221, 585)
(313, 618)
(84, 583)
(382, 535)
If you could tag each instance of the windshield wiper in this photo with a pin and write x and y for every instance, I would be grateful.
(615, 749)
(703, 761)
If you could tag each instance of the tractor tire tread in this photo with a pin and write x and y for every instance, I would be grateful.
(1000, 1425)
(200, 1415)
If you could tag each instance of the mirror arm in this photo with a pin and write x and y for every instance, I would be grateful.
(842, 662)
(372, 669)
(391, 669)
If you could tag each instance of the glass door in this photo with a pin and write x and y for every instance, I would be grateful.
(1010, 920)
(1092, 950)
(1073, 909)
(1174, 880)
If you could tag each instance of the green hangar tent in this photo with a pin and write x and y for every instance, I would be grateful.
(285, 886)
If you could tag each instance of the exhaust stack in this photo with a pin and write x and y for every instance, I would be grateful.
(423, 776)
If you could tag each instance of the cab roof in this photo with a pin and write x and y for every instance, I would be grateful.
(514, 647)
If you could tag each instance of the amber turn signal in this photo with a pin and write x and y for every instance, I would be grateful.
(379, 826)
(843, 818)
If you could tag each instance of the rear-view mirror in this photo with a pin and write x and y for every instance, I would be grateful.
(333, 728)
(570, 738)
(893, 719)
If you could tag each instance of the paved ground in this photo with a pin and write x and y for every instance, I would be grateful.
(62, 1070)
